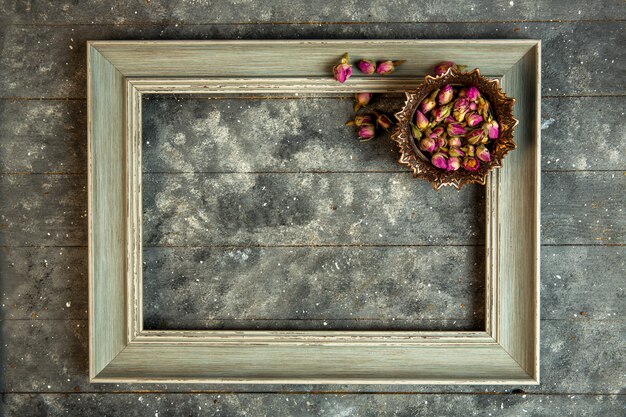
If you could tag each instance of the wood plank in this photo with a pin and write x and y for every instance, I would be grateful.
(43, 136)
(36, 282)
(416, 288)
(56, 204)
(59, 127)
(60, 70)
(578, 208)
(307, 209)
(311, 404)
(38, 353)
(316, 11)
(106, 158)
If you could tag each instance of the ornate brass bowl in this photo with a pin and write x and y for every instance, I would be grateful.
(410, 154)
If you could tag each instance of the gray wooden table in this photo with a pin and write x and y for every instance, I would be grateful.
(43, 342)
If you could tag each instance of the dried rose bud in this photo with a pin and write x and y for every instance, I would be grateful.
(483, 154)
(443, 67)
(440, 143)
(471, 163)
(415, 131)
(450, 119)
(483, 107)
(427, 105)
(473, 94)
(493, 129)
(454, 163)
(362, 100)
(366, 66)
(455, 142)
(436, 132)
(387, 67)
(445, 95)
(420, 120)
(362, 120)
(439, 160)
(367, 132)
(343, 70)
(427, 145)
(473, 119)
(442, 112)
(473, 106)
(461, 107)
(455, 129)
(455, 151)
(469, 150)
(475, 136)
(382, 120)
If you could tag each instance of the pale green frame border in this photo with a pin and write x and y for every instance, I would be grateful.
(507, 352)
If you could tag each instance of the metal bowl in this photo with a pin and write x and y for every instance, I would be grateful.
(410, 154)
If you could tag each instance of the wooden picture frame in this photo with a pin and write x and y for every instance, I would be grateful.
(120, 350)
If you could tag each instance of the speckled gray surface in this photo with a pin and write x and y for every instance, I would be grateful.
(43, 349)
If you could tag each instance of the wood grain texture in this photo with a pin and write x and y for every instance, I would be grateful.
(580, 57)
(107, 212)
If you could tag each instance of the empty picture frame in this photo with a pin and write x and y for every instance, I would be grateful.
(120, 350)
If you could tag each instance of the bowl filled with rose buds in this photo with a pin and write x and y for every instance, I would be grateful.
(455, 127)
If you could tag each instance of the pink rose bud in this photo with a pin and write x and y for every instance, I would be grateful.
(473, 94)
(455, 129)
(420, 120)
(483, 154)
(343, 70)
(439, 160)
(493, 129)
(443, 67)
(363, 120)
(361, 100)
(455, 142)
(427, 105)
(461, 107)
(382, 120)
(387, 67)
(436, 132)
(473, 106)
(473, 119)
(454, 163)
(367, 132)
(445, 95)
(455, 151)
(427, 145)
(450, 119)
(366, 66)
(471, 163)
(475, 136)
(469, 150)
(440, 143)
(442, 112)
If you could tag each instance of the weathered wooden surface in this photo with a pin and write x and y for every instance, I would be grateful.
(579, 58)
(44, 357)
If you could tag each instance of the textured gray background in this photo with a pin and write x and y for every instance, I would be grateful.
(43, 345)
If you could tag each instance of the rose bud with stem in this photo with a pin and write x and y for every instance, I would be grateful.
(382, 120)
(387, 67)
(343, 70)
(367, 132)
(361, 120)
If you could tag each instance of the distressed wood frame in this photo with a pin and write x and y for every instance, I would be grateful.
(119, 72)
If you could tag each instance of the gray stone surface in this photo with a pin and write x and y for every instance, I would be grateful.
(43, 337)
